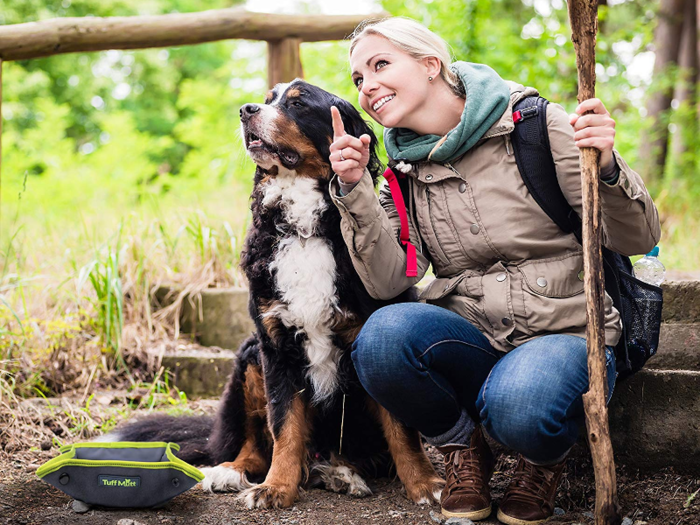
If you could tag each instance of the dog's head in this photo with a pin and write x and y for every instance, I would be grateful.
(292, 132)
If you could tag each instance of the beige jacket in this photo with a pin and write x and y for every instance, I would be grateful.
(499, 260)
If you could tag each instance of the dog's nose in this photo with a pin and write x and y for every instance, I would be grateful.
(247, 110)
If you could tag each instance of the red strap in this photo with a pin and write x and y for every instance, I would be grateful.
(411, 259)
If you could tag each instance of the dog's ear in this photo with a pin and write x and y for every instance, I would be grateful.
(356, 126)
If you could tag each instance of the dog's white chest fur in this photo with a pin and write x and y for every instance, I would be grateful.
(305, 277)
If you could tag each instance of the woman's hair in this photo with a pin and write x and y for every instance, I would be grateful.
(414, 39)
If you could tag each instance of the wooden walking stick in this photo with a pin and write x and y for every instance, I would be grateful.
(583, 15)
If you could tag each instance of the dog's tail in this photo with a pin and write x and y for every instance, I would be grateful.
(190, 432)
(203, 440)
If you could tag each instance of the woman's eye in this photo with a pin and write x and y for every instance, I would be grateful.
(357, 82)
(380, 64)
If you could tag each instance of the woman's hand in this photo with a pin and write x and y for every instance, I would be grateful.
(596, 130)
(349, 155)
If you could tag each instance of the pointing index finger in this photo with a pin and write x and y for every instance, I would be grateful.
(338, 128)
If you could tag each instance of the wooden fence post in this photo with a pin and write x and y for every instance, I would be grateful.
(283, 61)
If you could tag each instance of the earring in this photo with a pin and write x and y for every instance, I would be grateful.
(430, 79)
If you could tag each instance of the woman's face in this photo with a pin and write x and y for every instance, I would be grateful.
(393, 85)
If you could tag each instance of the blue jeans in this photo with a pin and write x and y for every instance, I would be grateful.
(436, 372)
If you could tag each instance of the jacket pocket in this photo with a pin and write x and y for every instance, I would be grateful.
(557, 277)
(466, 283)
(553, 297)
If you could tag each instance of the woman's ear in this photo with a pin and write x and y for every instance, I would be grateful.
(433, 66)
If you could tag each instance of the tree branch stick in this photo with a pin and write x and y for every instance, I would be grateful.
(583, 18)
(71, 35)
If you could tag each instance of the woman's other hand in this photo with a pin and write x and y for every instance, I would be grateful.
(595, 130)
(349, 155)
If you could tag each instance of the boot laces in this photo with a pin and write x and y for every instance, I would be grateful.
(530, 482)
(463, 472)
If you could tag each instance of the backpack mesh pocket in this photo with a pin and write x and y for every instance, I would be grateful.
(641, 316)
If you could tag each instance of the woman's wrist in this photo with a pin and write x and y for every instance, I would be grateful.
(346, 187)
(349, 181)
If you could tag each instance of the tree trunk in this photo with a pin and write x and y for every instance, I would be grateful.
(697, 25)
(1, 145)
(686, 89)
(667, 39)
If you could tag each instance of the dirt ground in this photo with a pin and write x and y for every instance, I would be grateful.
(660, 497)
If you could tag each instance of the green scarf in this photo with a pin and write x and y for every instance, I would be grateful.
(487, 99)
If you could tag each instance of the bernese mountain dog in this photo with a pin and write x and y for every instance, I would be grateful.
(294, 412)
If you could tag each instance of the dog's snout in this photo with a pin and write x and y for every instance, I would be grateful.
(248, 110)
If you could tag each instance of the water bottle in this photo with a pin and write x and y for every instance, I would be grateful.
(649, 269)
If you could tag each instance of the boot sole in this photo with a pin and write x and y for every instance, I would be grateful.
(510, 520)
(474, 515)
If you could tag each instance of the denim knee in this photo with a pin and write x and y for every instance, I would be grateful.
(532, 427)
(379, 352)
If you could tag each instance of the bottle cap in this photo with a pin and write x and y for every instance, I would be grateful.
(654, 252)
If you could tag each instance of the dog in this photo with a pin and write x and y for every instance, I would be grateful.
(293, 411)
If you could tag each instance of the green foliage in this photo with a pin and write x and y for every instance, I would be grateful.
(103, 272)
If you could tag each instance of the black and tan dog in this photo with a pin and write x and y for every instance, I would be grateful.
(293, 410)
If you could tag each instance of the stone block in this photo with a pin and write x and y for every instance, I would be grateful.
(216, 316)
(679, 347)
(201, 372)
(681, 301)
(655, 420)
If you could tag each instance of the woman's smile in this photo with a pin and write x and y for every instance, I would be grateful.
(382, 102)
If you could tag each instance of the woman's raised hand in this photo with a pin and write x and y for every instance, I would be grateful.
(349, 155)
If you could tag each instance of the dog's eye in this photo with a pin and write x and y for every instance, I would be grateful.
(297, 104)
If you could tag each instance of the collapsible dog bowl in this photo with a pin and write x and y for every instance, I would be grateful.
(123, 474)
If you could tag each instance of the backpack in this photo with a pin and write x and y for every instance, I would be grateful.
(639, 303)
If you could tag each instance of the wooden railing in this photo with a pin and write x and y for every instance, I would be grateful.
(283, 34)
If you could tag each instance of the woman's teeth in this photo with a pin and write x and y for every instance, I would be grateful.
(382, 101)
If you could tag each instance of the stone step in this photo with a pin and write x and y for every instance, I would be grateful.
(216, 316)
(655, 420)
(681, 302)
(220, 316)
(679, 347)
(198, 372)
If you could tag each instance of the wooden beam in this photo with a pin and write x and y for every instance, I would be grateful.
(72, 35)
(283, 61)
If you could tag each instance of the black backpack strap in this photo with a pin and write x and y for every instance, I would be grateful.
(533, 156)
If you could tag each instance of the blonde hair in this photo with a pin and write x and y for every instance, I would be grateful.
(414, 39)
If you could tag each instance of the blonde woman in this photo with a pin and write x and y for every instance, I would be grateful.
(498, 345)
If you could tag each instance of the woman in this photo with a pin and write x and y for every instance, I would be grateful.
(499, 343)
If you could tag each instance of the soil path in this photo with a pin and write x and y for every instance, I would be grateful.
(658, 498)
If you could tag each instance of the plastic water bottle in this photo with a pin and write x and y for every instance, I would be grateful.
(649, 269)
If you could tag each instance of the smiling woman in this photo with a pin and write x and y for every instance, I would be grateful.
(499, 344)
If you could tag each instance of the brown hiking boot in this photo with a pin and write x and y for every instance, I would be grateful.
(530, 496)
(467, 471)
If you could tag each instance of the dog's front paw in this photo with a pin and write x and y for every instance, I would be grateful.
(224, 479)
(266, 496)
(426, 492)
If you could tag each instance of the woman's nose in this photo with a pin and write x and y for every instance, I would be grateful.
(368, 86)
